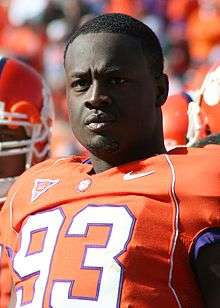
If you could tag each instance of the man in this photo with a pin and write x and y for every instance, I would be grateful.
(204, 110)
(25, 123)
(129, 227)
(207, 98)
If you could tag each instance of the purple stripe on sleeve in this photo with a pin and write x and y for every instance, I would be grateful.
(87, 161)
(208, 237)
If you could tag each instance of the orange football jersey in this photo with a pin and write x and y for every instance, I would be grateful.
(120, 238)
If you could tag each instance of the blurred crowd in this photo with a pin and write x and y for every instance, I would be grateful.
(36, 31)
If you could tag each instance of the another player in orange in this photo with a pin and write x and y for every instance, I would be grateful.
(187, 120)
(135, 226)
(208, 98)
(204, 111)
(25, 123)
(183, 123)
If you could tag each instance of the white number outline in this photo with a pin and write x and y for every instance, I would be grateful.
(37, 300)
(114, 223)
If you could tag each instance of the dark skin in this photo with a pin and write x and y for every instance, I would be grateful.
(14, 165)
(117, 87)
(115, 112)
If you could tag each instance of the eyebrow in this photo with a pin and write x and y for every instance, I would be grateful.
(105, 70)
(110, 69)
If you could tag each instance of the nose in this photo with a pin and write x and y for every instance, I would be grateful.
(98, 96)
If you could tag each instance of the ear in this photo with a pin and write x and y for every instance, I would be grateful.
(162, 89)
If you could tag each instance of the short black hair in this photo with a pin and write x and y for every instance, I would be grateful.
(124, 24)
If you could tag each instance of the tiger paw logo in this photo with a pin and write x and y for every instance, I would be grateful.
(41, 186)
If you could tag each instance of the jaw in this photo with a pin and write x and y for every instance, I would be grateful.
(112, 153)
(102, 145)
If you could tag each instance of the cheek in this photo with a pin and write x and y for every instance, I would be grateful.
(73, 111)
(141, 108)
(76, 122)
(142, 119)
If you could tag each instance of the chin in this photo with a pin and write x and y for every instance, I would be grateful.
(102, 146)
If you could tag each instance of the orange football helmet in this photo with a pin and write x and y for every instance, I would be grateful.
(25, 101)
(183, 121)
(175, 120)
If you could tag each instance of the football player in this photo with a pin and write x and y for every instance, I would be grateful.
(134, 226)
(188, 120)
(208, 98)
(205, 108)
(25, 123)
(183, 122)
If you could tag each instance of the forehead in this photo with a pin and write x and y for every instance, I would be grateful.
(101, 49)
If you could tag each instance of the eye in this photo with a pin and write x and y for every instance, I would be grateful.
(80, 84)
(117, 81)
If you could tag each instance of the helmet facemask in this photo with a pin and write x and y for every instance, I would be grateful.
(36, 123)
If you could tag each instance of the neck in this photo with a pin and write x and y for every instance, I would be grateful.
(106, 161)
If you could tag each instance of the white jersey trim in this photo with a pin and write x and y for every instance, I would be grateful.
(175, 231)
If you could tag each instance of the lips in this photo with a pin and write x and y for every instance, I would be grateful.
(100, 121)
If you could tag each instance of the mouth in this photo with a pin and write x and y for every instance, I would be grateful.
(99, 122)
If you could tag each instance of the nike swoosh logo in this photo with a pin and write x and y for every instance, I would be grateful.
(132, 176)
